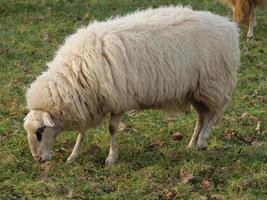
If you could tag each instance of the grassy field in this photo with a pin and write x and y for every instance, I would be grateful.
(151, 164)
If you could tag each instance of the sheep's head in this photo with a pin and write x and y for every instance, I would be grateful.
(42, 132)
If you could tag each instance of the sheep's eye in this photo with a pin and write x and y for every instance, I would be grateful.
(39, 132)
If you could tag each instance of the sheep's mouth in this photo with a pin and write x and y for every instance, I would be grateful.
(38, 158)
(41, 160)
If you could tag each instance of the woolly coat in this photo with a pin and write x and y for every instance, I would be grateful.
(156, 58)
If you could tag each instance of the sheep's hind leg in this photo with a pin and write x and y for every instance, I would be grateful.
(251, 24)
(208, 122)
(76, 150)
(194, 138)
(113, 126)
(201, 111)
(254, 19)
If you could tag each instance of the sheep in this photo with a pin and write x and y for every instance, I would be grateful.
(244, 10)
(168, 58)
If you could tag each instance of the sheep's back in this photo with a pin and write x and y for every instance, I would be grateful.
(143, 60)
(152, 64)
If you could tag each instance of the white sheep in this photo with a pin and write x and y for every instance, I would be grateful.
(166, 58)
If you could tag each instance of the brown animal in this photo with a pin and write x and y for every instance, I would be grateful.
(244, 11)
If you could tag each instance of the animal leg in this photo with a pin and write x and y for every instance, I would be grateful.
(208, 122)
(254, 19)
(198, 127)
(113, 150)
(201, 110)
(76, 150)
(233, 9)
(251, 23)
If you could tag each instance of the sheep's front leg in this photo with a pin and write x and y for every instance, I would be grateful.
(76, 150)
(113, 126)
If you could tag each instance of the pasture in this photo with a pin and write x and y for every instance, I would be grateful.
(151, 164)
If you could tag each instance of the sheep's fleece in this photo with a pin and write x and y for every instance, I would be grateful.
(166, 58)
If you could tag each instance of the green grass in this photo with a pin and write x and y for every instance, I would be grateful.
(234, 165)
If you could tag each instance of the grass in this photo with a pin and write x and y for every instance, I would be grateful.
(151, 164)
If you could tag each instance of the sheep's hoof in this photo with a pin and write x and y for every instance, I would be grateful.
(249, 38)
(202, 146)
(71, 158)
(192, 146)
(110, 161)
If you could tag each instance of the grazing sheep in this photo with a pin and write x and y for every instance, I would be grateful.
(244, 11)
(166, 58)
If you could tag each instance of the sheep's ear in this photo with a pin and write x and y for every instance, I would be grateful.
(47, 120)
